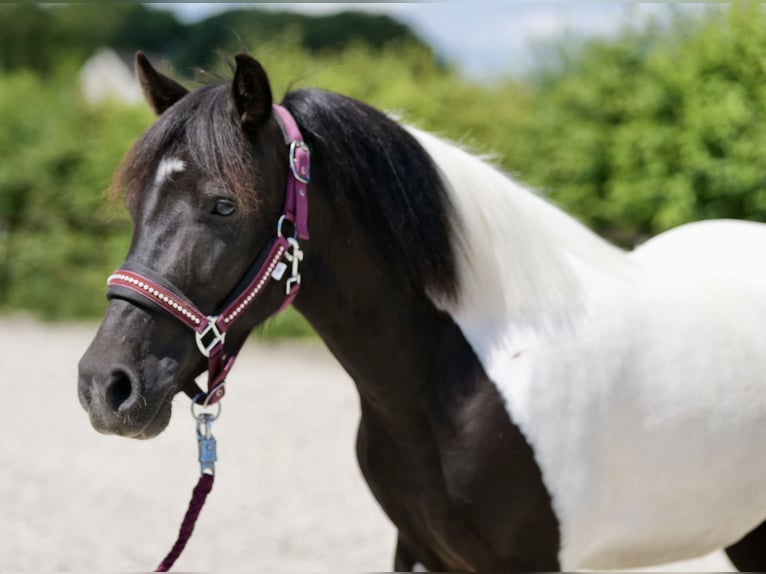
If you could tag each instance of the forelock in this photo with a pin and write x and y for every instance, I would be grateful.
(203, 126)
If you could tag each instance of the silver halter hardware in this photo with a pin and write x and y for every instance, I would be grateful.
(294, 257)
(218, 337)
(205, 439)
(303, 176)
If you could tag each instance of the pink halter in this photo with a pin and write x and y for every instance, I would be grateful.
(132, 279)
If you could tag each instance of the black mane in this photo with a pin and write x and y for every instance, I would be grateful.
(386, 180)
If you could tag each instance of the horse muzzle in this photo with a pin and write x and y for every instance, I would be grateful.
(125, 388)
(117, 404)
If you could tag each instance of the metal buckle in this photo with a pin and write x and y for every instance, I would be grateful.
(218, 337)
(296, 145)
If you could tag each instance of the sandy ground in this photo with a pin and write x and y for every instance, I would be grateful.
(288, 493)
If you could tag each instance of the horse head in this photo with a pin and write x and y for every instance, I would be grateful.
(204, 186)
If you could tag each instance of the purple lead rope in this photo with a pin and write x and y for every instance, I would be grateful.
(207, 459)
(203, 488)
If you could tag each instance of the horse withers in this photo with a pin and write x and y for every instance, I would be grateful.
(532, 398)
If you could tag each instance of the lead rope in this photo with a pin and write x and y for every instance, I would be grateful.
(207, 457)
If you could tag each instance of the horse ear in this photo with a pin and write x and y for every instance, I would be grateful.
(251, 92)
(160, 91)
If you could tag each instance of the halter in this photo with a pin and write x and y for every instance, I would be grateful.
(140, 285)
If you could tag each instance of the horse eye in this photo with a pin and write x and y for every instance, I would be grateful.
(224, 207)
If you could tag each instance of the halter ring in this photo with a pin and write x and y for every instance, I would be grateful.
(200, 415)
(281, 222)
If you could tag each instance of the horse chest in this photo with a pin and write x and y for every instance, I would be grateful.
(407, 482)
(464, 491)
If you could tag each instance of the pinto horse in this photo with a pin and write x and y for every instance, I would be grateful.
(532, 398)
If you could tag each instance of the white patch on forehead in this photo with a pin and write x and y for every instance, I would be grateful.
(168, 166)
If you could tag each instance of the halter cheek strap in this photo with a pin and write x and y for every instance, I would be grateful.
(281, 256)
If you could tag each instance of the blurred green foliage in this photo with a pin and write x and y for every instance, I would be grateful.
(658, 126)
(58, 233)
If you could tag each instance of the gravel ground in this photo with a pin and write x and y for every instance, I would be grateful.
(288, 493)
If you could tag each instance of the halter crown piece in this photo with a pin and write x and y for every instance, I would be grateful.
(282, 255)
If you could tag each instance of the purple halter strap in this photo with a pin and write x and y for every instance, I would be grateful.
(132, 280)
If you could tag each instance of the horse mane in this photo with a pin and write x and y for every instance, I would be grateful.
(481, 246)
(520, 259)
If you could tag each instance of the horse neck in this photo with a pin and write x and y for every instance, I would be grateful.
(393, 342)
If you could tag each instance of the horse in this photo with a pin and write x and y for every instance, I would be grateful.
(532, 397)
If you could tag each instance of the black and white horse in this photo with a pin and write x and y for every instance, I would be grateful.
(532, 398)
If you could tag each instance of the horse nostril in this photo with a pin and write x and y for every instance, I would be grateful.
(119, 391)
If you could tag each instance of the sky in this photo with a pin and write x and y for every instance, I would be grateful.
(484, 39)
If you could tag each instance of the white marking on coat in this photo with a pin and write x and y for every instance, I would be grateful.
(640, 380)
(168, 166)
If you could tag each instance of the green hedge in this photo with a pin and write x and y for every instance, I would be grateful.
(59, 236)
(661, 126)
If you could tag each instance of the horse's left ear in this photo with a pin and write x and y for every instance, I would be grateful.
(160, 91)
(251, 92)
